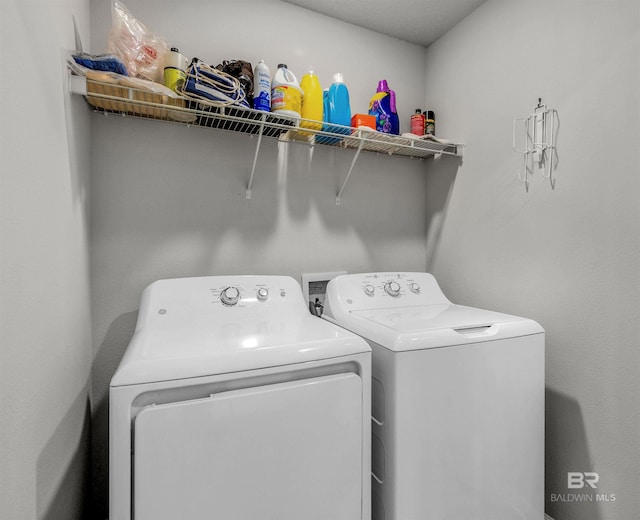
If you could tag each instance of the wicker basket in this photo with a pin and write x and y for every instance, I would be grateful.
(126, 96)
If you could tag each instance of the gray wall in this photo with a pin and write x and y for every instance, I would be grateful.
(566, 256)
(169, 201)
(45, 354)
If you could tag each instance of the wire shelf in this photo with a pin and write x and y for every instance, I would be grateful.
(125, 100)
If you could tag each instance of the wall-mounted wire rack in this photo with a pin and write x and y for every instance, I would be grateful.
(534, 138)
(111, 98)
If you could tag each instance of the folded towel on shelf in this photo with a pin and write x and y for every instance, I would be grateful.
(103, 62)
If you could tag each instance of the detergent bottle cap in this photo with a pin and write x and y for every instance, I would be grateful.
(383, 86)
(282, 66)
(337, 78)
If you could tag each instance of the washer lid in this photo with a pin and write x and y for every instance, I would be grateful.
(433, 326)
(432, 317)
(408, 311)
(184, 330)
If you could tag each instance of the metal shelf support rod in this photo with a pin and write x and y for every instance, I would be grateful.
(353, 163)
(255, 159)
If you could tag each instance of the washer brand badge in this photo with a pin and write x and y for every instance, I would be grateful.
(578, 480)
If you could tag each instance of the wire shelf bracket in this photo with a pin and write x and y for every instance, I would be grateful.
(255, 159)
(346, 179)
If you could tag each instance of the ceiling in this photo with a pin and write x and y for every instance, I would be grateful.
(417, 21)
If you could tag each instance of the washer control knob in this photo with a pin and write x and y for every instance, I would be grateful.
(263, 294)
(392, 288)
(369, 290)
(414, 287)
(230, 296)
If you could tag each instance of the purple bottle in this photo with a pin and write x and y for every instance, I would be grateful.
(383, 107)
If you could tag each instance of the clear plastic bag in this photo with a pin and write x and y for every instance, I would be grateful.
(141, 50)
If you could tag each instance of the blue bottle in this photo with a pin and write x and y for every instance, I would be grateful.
(339, 106)
(337, 110)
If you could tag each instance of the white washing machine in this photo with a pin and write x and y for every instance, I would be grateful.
(457, 401)
(233, 402)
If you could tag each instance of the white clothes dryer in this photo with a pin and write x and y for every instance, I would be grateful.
(233, 402)
(457, 401)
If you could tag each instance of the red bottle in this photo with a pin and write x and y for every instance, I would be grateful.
(417, 123)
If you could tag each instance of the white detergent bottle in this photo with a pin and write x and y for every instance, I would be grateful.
(262, 87)
(286, 94)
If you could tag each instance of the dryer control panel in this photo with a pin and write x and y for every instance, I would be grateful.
(383, 290)
(187, 302)
(246, 293)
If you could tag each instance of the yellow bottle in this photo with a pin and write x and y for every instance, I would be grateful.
(312, 104)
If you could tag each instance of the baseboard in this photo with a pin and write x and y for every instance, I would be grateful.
(547, 517)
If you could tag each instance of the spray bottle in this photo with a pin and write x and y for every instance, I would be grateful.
(262, 87)
(430, 123)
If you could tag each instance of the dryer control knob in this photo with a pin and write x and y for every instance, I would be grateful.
(230, 296)
(369, 290)
(392, 288)
(262, 294)
(415, 288)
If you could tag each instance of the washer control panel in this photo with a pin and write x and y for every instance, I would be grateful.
(393, 287)
(379, 290)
